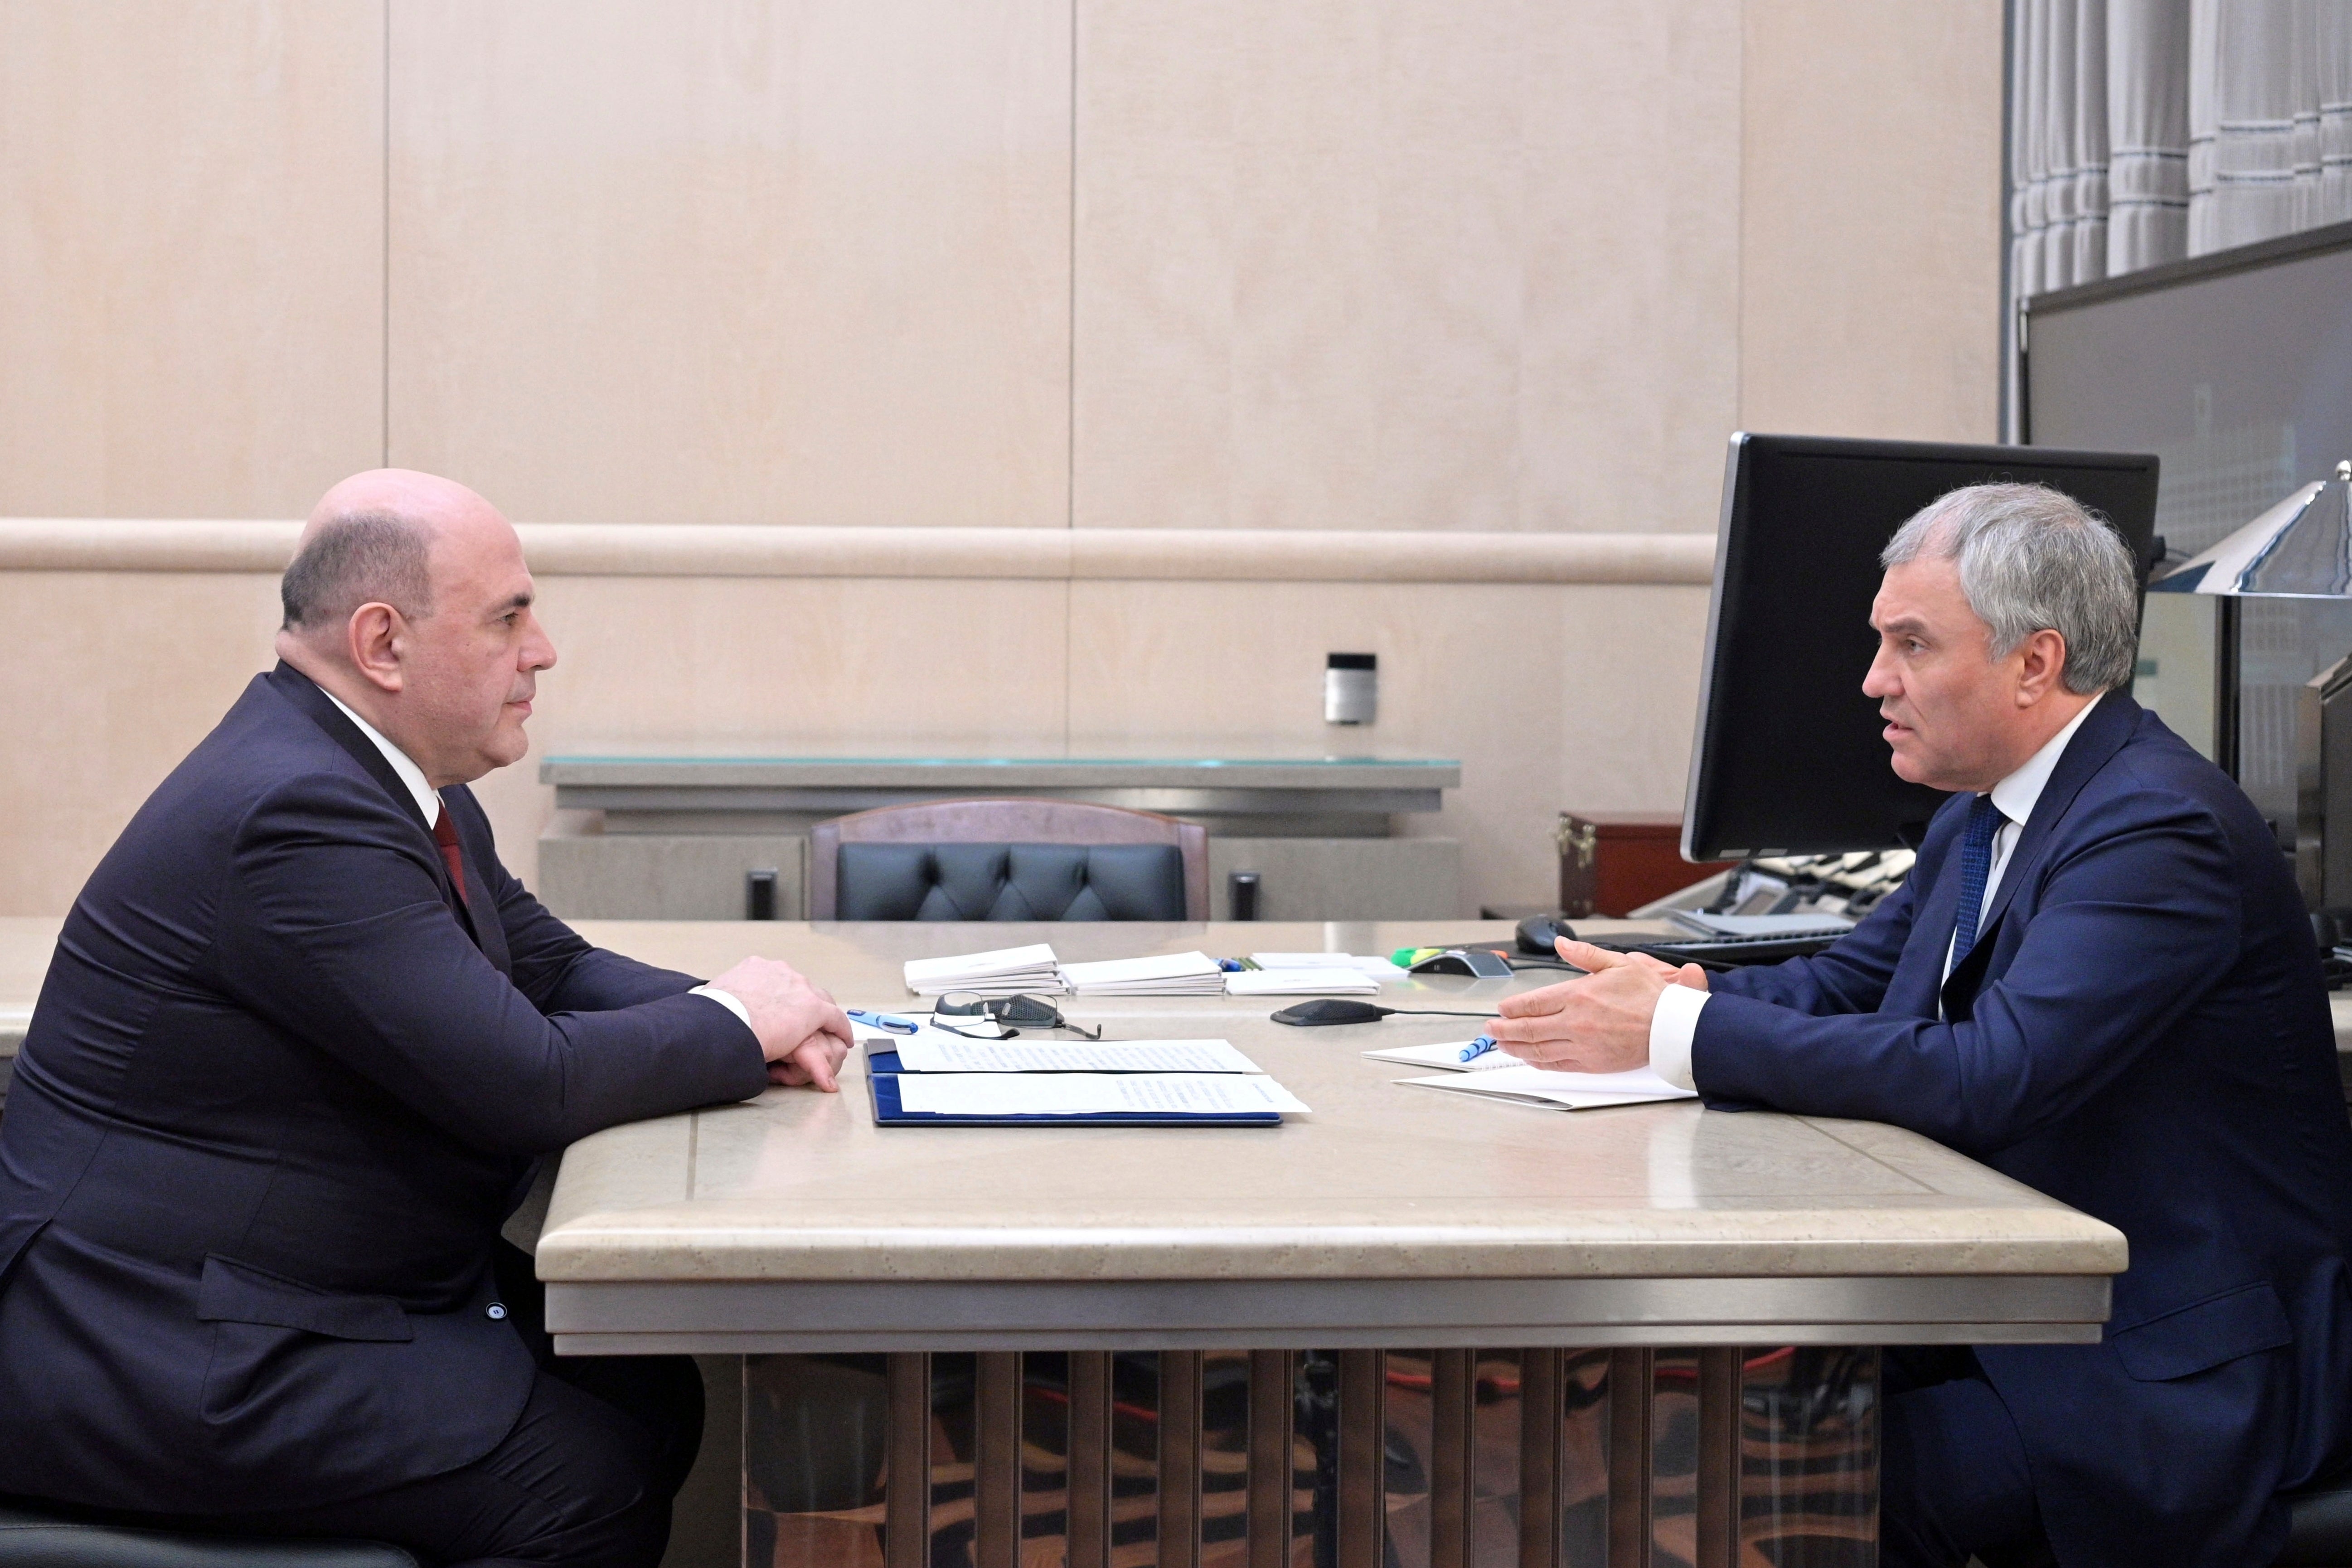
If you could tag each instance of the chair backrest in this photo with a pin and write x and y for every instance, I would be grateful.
(1005, 824)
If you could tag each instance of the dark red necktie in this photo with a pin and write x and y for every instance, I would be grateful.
(445, 833)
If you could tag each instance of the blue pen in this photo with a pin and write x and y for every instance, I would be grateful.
(890, 1021)
(1471, 1053)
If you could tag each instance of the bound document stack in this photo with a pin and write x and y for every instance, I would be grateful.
(1168, 975)
(933, 1078)
(1007, 972)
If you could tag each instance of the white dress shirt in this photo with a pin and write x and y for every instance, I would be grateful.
(428, 805)
(1675, 1023)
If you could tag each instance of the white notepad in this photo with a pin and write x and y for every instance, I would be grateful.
(931, 1052)
(1564, 1091)
(1448, 1055)
(1301, 982)
(1379, 969)
(1084, 1094)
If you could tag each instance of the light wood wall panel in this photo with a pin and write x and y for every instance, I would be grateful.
(1552, 696)
(1409, 263)
(734, 260)
(110, 679)
(191, 255)
(856, 666)
(1871, 149)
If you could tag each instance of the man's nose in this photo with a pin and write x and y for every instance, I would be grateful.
(537, 650)
(1879, 681)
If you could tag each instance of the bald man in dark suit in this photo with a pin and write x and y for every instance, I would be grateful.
(300, 1048)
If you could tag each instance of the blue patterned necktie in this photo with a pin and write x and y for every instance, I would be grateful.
(1976, 867)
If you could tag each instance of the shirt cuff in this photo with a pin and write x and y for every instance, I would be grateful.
(727, 1000)
(1673, 1027)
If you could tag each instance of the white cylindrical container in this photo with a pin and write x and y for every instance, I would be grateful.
(1351, 688)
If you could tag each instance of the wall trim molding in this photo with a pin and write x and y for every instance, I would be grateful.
(701, 549)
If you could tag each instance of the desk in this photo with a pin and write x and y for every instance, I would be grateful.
(1472, 1326)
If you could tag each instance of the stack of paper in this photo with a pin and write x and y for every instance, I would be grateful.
(1092, 1093)
(1301, 982)
(1007, 972)
(1378, 968)
(929, 1050)
(1563, 1091)
(1168, 975)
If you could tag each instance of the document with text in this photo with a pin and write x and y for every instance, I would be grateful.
(931, 1052)
(1092, 1093)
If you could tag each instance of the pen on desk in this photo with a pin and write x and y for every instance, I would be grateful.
(1477, 1048)
(890, 1021)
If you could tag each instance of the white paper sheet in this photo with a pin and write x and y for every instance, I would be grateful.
(1301, 982)
(1569, 1090)
(1079, 1093)
(1379, 969)
(931, 1052)
(1447, 1055)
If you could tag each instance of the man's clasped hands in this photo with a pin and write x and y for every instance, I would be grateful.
(803, 1034)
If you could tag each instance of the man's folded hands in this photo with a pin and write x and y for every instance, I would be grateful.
(803, 1034)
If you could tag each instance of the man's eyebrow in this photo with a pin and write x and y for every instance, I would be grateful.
(519, 602)
(1903, 623)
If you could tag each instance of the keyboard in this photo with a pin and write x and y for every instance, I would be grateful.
(1728, 952)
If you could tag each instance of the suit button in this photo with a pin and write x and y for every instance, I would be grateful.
(497, 1311)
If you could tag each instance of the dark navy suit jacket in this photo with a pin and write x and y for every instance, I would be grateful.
(2141, 1031)
(280, 1089)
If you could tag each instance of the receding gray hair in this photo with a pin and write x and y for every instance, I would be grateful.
(359, 558)
(2033, 558)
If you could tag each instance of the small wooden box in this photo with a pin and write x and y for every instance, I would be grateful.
(1613, 863)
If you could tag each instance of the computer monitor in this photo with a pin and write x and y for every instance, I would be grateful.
(1789, 757)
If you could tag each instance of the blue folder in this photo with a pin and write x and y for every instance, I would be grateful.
(882, 1081)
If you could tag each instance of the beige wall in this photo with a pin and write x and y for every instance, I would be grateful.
(1410, 265)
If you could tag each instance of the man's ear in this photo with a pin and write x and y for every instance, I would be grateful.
(2044, 663)
(376, 634)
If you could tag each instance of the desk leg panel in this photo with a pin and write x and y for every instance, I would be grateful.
(1530, 1457)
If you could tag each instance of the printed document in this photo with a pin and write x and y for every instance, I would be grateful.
(1083, 1093)
(931, 1052)
(1565, 1090)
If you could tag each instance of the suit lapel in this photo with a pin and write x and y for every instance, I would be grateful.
(304, 693)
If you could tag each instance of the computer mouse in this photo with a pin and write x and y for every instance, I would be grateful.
(1484, 963)
(1537, 932)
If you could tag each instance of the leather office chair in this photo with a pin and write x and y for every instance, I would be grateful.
(34, 1537)
(2320, 1535)
(1085, 861)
